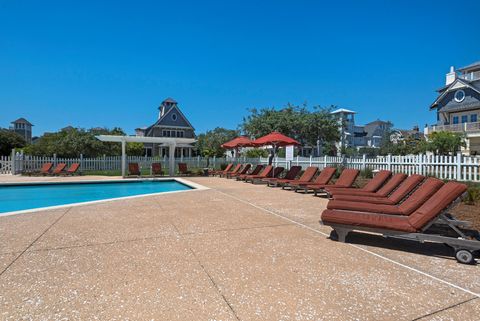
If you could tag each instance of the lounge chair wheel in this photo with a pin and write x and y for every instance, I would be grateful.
(333, 235)
(464, 256)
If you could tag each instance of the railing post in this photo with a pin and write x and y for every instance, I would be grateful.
(55, 159)
(214, 161)
(459, 166)
(324, 161)
(81, 160)
(364, 161)
(389, 162)
(310, 161)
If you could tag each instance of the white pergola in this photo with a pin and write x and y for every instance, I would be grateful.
(171, 142)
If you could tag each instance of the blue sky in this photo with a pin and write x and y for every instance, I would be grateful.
(110, 63)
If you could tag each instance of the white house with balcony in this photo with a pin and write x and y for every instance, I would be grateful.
(458, 106)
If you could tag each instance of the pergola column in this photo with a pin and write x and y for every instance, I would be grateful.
(171, 159)
(124, 158)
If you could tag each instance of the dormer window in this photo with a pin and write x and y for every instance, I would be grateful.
(459, 96)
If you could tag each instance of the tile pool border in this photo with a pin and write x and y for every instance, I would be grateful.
(194, 188)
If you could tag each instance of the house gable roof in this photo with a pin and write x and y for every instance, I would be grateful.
(167, 121)
(22, 120)
(457, 84)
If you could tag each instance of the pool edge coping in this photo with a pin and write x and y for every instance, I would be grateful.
(194, 188)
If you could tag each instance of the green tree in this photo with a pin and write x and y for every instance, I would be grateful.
(10, 140)
(209, 143)
(319, 125)
(72, 142)
(444, 143)
(256, 152)
(297, 122)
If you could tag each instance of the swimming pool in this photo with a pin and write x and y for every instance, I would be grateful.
(29, 196)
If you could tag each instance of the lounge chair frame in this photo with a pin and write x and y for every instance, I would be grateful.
(444, 228)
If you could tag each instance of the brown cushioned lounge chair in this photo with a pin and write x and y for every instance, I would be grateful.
(407, 207)
(219, 172)
(183, 169)
(255, 171)
(243, 171)
(72, 170)
(429, 223)
(290, 175)
(372, 186)
(346, 179)
(230, 170)
(59, 169)
(266, 171)
(259, 178)
(307, 176)
(157, 169)
(384, 191)
(405, 188)
(322, 179)
(44, 170)
(134, 169)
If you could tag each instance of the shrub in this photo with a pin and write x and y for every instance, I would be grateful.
(472, 196)
(339, 170)
(366, 173)
(256, 152)
(223, 166)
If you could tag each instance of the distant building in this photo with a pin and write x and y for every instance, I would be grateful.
(346, 125)
(171, 122)
(375, 132)
(458, 106)
(399, 135)
(352, 135)
(22, 127)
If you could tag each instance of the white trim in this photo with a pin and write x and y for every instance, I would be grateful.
(451, 87)
(455, 95)
(194, 186)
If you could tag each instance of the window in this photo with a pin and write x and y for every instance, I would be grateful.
(180, 134)
(464, 119)
(459, 96)
(455, 120)
(174, 117)
(473, 118)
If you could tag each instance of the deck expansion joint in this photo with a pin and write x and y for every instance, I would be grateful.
(217, 288)
(445, 309)
(404, 266)
(35, 240)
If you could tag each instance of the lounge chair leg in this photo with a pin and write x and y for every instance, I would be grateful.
(339, 234)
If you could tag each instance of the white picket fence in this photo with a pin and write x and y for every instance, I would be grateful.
(457, 167)
(25, 163)
(5, 165)
(461, 168)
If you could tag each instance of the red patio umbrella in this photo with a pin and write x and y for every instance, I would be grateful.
(275, 139)
(240, 141)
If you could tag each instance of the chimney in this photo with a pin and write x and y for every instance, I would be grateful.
(451, 76)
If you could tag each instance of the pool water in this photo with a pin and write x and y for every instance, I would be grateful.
(33, 196)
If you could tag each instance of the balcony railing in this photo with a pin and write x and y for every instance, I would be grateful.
(464, 127)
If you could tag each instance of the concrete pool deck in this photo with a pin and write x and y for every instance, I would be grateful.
(235, 251)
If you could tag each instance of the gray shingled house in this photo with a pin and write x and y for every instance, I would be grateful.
(458, 106)
(171, 122)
